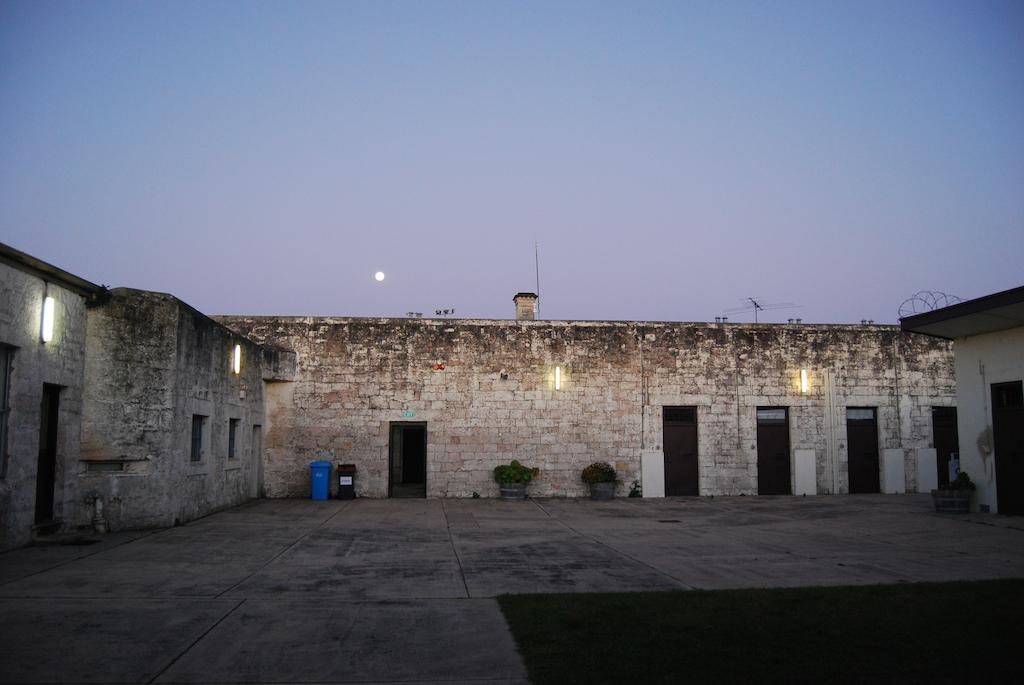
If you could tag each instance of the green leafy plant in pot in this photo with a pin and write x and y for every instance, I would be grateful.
(513, 478)
(600, 476)
(955, 498)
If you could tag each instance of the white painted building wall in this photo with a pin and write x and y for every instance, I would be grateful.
(981, 361)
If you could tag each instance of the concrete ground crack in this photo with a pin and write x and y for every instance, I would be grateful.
(455, 551)
(86, 555)
(286, 549)
(609, 547)
(197, 640)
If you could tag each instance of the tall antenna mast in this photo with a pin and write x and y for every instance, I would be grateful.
(757, 307)
(536, 266)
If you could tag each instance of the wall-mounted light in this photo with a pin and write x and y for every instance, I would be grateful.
(236, 360)
(46, 330)
(558, 378)
(805, 386)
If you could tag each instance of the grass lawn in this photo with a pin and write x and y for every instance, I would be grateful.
(926, 633)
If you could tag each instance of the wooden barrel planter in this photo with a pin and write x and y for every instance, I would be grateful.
(512, 491)
(952, 501)
(602, 490)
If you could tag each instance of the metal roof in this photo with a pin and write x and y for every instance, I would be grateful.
(48, 272)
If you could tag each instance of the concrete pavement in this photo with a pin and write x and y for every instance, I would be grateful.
(290, 591)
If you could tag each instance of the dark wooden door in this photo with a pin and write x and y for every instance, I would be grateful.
(862, 444)
(773, 469)
(1008, 443)
(945, 439)
(408, 460)
(680, 446)
(46, 473)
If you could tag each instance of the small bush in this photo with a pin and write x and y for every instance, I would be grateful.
(598, 472)
(515, 473)
(636, 490)
(962, 482)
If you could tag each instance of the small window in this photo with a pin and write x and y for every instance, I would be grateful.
(1007, 395)
(680, 415)
(771, 414)
(860, 413)
(6, 355)
(198, 420)
(232, 432)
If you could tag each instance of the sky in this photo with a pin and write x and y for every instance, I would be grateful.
(668, 159)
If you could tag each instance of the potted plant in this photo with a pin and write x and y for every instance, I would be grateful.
(955, 498)
(513, 478)
(601, 479)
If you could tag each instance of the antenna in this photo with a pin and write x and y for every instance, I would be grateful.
(536, 266)
(756, 304)
(757, 307)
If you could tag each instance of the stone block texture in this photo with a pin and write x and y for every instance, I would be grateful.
(152, 364)
(486, 390)
(59, 362)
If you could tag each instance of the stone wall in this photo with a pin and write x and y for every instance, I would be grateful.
(59, 362)
(153, 363)
(486, 392)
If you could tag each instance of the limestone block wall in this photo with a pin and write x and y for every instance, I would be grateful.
(33, 363)
(729, 370)
(153, 363)
(486, 390)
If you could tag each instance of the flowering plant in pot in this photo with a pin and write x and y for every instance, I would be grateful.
(955, 498)
(600, 476)
(513, 478)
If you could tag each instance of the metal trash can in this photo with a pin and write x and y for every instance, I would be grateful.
(320, 480)
(346, 481)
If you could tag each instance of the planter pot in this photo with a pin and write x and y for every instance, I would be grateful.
(952, 501)
(602, 490)
(512, 491)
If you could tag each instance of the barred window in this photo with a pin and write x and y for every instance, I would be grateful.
(232, 433)
(198, 421)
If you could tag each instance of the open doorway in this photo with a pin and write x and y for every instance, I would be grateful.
(1008, 438)
(407, 460)
(946, 441)
(257, 456)
(46, 472)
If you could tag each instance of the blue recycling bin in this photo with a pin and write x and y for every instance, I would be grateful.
(320, 475)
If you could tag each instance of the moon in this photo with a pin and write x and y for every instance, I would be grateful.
(379, 275)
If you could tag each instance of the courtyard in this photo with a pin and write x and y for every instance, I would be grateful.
(404, 590)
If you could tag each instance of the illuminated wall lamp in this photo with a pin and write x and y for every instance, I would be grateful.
(46, 330)
(805, 386)
(558, 378)
(236, 360)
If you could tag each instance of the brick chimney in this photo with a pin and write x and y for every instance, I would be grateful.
(526, 306)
